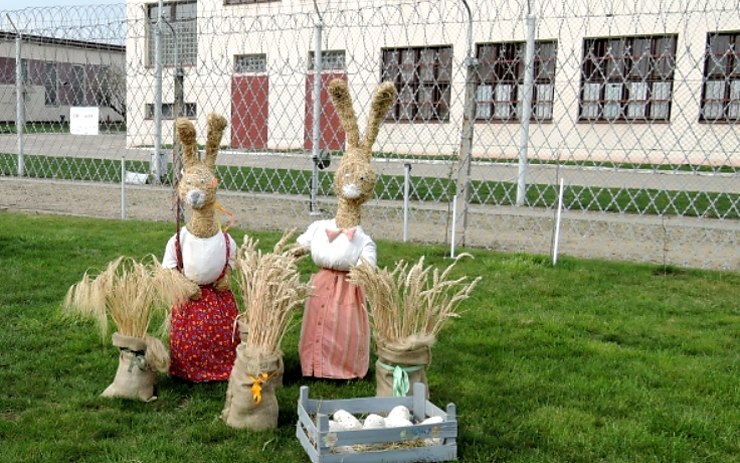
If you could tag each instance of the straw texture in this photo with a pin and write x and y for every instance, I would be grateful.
(271, 292)
(410, 300)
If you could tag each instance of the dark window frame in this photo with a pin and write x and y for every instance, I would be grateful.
(721, 72)
(501, 67)
(329, 60)
(187, 46)
(423, 79)
(168, 109)
(250, 63)
(51, 84)
(627, 79)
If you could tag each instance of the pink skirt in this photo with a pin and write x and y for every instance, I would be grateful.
(335, 333)
(202, 339)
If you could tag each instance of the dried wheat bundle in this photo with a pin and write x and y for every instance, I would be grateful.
(271, 291)
(124, 292)
(411, 300)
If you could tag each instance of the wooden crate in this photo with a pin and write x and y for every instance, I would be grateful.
(389, 445)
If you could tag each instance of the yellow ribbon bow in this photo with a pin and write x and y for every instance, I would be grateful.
(257, 386)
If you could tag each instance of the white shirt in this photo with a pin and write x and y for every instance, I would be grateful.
(340, 254)
(203, 258)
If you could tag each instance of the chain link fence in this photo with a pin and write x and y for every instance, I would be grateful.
(601, 129)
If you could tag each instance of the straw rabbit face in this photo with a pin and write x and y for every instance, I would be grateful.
(198, 185)
(354, 180)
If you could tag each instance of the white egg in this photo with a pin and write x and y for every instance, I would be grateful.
(400, 411)
(433, 440)
(347, 420)
(335, 426)
(433, 420)
(373, 421)
(397, 422)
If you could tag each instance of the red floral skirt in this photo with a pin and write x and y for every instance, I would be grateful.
(202, 337)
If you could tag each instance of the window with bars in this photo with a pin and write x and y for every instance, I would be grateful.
(50, 84)
(422, 76)
(720, 98)
(501, 68)
(331, 60)
(78, 86)
(168, 111)
(627, 78)
(250, 64)
(179, 44)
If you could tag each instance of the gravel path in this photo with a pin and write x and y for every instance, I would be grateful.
(683, 242)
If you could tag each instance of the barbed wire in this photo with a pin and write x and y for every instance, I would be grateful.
(680, 161)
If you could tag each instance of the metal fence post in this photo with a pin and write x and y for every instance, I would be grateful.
(466, 144)
(123, 187)
(406, 194)
(177, 111)
(316, 115)
(155, 167)
(20, 97)
(526, 114)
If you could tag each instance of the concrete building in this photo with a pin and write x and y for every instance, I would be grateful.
(622, 81)
(58, 74)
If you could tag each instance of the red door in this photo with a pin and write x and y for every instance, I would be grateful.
(332, 134)
(249, 111)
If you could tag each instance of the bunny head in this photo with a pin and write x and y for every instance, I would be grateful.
(198, 185)
(354, 180)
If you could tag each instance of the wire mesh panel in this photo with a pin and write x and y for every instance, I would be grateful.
(631, 111)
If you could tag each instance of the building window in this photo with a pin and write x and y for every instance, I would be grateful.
(422, 76)
(25, 75)
(331, 60)
(168, 111)
(180, 47)
(78, 86)
(720, 98)
(627, 78)
(50, 84)
(501, 76)
(250, 64)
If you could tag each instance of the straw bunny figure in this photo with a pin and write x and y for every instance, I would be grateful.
(335, 332)
(202, 347)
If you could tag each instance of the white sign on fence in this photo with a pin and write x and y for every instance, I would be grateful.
(83, 120)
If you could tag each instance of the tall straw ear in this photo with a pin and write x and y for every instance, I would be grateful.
(216, 126)
(384, 97)
(186, 134)
(343, 103)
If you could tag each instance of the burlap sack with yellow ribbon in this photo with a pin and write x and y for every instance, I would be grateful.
(138, 362)
(250, 397)
(402, 363)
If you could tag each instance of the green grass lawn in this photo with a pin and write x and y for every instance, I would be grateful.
(588, 361)
(389, 187)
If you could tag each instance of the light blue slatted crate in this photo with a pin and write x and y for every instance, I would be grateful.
(417, 443)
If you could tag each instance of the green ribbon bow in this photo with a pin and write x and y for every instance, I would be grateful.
(401, 384)
(138, 359)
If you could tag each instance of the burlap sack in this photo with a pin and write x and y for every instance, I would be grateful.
(250, 396)
(400, 364)
(241, 326)
(138, 361)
